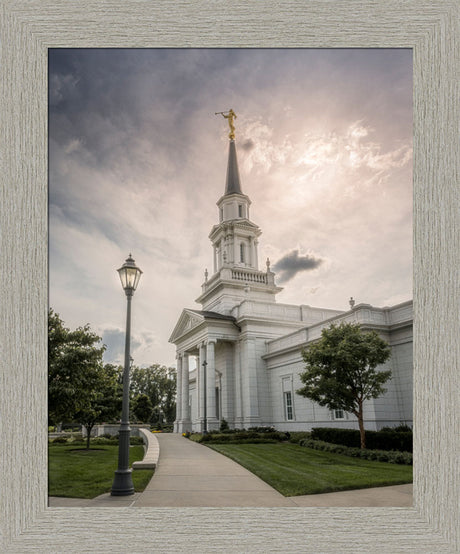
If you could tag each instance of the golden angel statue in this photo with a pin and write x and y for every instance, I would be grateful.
(231, 115)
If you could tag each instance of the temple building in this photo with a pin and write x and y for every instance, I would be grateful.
(247, 348)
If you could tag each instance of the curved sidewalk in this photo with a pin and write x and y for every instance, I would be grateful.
(190, 474)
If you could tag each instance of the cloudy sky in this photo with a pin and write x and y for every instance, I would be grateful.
(137, 162)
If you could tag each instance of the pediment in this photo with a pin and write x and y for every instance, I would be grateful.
(188, 320)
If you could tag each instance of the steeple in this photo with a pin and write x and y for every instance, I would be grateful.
(232, 185)
(235, 244)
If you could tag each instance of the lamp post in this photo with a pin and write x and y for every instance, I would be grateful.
(205, 421)
(123, 482)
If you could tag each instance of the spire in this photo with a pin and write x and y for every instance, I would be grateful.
(232, 185)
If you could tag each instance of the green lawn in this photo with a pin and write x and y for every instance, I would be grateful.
(293, 470)
(79, 473)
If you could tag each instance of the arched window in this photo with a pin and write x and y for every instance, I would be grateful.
(242, 252)
(240, 210)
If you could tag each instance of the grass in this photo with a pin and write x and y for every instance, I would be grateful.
(294, 470)
(79, 473)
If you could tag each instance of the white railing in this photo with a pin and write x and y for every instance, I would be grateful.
(249, 276)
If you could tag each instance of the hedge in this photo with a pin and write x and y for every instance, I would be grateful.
(243, 436)
(389, 456)
(375, 440)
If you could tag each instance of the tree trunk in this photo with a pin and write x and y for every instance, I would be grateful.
(361, 425)
(89, 428)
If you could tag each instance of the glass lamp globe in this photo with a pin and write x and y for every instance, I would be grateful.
(129, 275)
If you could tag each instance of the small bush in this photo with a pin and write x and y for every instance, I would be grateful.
(59, 440)
(403, 429)
(136, 441)
(389, 456)
(262, 429)
(296, 436)
(223, 425)
(104, 441)
(241, 436)
(375, 440)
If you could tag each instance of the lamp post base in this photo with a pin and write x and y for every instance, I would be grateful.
(122, 483)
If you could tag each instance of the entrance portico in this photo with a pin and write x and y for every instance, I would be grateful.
(206, 342)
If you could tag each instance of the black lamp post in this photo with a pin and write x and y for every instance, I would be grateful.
(123, 482)
(205, 422)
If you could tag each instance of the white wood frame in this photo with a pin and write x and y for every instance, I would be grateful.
(28, 29)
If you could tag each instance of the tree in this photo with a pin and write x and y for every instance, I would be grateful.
(341, 370)
(74, 359)
(103, 401)
(168, 404)
(159, 384)
(142, 408)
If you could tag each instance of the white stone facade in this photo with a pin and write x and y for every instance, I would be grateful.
(247, 348)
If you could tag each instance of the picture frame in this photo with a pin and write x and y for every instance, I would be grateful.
(29, 29)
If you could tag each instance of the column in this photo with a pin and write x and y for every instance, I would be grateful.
(249, 383)
(211, 387)
(178, 394)
(215, 259)
(185, 393)
(256, 260)
(202, 386)
(238, 386)
(250, 256)
(236, 249)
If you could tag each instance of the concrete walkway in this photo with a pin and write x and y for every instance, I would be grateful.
(190, 474)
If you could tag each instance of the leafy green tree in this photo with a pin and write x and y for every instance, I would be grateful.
(168, 404)
(341, 370)
(142, 408)
(103, 401)
(74, 360)
(159, 384)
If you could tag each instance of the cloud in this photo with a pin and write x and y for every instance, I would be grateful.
(142, 346)
(247, 145)
(291, 264)
(114, 339)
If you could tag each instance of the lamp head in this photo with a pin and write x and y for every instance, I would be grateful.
(129, 275)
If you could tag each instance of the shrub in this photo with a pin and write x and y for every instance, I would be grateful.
(105, 441)
(262, 429)
(391, 457)
(375, 440)
(59, 440)
(403, 429)
(242, 436)
(136, 441)
(223, 425)
(296, 436)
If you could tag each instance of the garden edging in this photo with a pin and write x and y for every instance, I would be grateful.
(152, 451)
